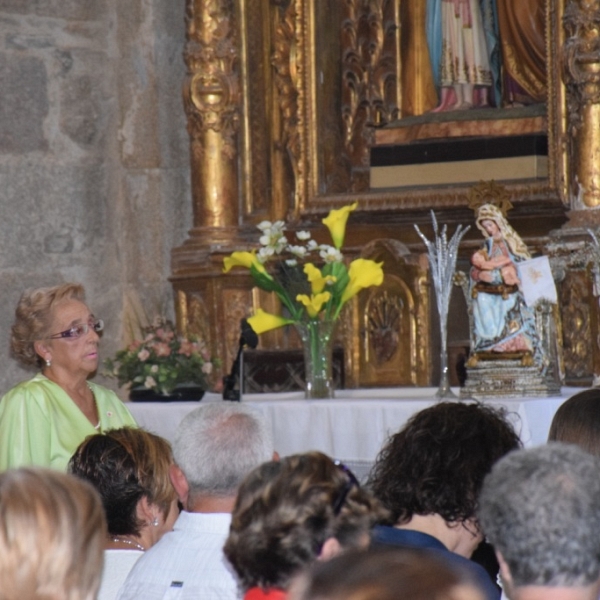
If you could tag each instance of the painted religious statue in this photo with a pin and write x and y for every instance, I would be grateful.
(502, 322)
(513, 327)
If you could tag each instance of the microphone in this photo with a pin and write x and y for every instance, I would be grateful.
(248, 337)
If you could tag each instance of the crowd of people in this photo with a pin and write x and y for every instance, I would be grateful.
(91, 506)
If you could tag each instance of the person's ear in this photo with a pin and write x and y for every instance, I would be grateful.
(42, 350)
(330, 548)
(507, 581)
(180, 483)
(145, 511)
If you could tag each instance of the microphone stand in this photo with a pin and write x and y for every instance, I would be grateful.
(248, 338)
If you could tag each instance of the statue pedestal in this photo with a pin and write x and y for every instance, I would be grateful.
(507, 379)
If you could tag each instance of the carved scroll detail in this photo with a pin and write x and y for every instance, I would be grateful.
(384, 316)
(369, 77)
(575, 315)
(286, 81)
(211, 91)
(581, 71)
(581, 58)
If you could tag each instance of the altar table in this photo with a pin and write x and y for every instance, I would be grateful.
(354, 425)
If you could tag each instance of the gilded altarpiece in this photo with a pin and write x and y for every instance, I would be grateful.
(285, 100)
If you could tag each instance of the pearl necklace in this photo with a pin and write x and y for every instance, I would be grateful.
(130, 542)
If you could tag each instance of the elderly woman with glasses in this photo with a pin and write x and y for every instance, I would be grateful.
(292, 512)
(43, 420)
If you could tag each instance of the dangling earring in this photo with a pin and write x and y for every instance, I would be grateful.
(48, 362)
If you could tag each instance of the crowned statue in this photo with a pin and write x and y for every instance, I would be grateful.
(502, 322)
(510, 334)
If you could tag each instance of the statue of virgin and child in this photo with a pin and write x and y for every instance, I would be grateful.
(502, 323)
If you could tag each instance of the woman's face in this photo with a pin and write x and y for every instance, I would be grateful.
(491, 228)
(77, 356)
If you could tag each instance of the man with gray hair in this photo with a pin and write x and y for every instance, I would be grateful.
(215, 447)
(540, 508)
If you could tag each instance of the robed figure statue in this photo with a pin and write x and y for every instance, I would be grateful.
(502, 322)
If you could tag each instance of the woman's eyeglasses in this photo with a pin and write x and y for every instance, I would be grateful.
(78, 330)
(351, 482)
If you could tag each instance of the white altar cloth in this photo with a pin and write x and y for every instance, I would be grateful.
(354, 425)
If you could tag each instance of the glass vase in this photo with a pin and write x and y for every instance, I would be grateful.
(317, 343)
(444, 391)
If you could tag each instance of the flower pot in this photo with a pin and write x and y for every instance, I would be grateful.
(179, 394)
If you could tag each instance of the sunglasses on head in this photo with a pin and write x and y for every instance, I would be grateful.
(351, 482)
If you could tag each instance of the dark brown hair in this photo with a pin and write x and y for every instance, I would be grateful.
(125, 465)
(286, 510)
(577, 421)
(437, 462)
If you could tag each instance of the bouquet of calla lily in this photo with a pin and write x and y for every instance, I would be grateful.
(312, 280)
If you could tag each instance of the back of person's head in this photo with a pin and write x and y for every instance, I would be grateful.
(385, 574)
(217, 445)
(437, 462)
(287, 510)
(52, 532)
(540, 508)
(577, 421)
(125, 465)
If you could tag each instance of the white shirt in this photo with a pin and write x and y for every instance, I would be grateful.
(117, 564)
(187, 563)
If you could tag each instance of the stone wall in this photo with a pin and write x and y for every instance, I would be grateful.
(94, 158)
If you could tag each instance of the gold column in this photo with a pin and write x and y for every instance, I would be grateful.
(418, 88)
(212, 100)
(581, 68)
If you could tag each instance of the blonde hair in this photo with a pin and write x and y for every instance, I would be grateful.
(52, 532)
(33, 318)
(125, 465)
(489, 212)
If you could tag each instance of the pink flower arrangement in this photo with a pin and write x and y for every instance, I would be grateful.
(162, 360)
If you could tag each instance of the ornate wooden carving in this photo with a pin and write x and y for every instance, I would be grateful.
(369, 78)
(281, 98)
(576, 320)
(581, 64)
(393, 324)
(286, 82)
(384, 320)
(212, 100)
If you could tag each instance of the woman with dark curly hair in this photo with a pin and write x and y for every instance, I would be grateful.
(288, 513)
(44, 419)
(130, 469)
(429, 476)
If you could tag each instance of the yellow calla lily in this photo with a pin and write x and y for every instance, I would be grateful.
(242, 259)
(336, 223)
(263, 321)
(313, 303)
(363, 273)
(316, 279)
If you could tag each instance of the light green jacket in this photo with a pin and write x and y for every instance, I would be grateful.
(41, 426)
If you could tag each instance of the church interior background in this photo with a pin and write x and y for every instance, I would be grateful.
(143, 141)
